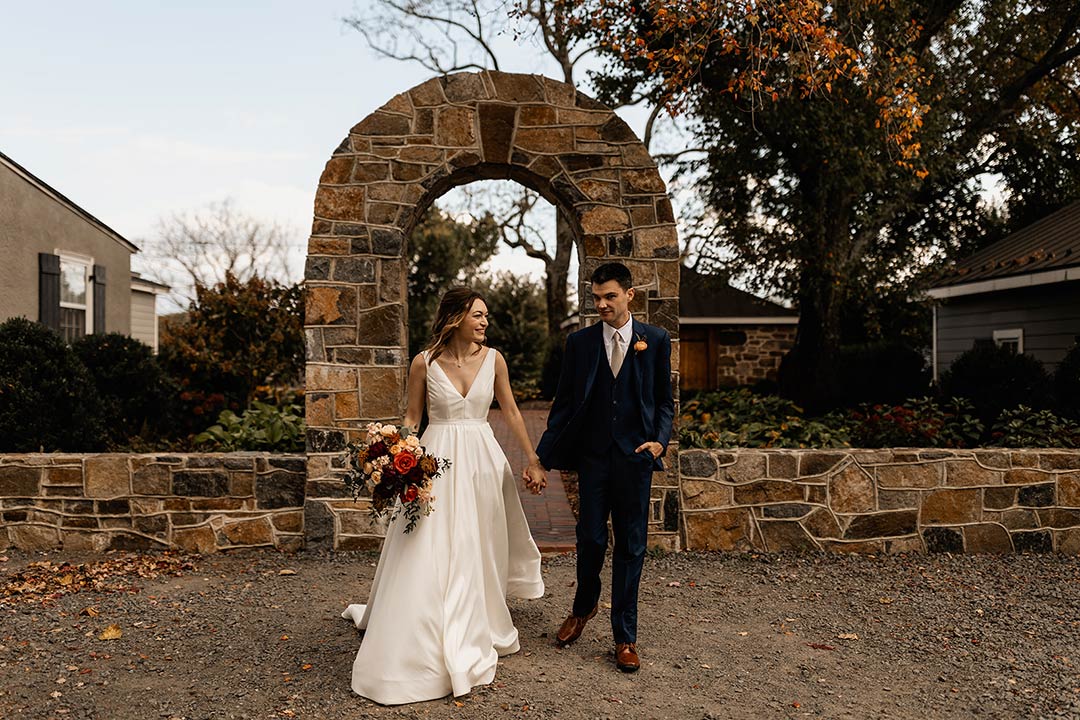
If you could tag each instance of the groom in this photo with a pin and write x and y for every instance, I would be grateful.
(611, 421)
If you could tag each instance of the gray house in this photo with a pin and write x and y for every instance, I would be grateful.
(1022, 292)
(65, 268)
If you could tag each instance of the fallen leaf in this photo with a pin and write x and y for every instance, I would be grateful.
(113, 632)
(89, 611)
(884, 600)
(459, 704)
(848, 636)
(66, 579)
(707, 667)
(305, 666)
(674, 583)
(56, 694)
(287, 572)
(744, 634)
(284, 637)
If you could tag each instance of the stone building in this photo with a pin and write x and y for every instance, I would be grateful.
(729, 337)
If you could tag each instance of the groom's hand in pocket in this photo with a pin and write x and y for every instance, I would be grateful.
(653, 448)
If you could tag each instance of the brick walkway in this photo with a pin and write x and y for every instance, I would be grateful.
(550, 519)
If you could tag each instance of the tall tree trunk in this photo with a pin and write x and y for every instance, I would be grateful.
(558, 304)
(808, 373)
(557, 275)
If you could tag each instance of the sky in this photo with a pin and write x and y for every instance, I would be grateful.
(136, 110)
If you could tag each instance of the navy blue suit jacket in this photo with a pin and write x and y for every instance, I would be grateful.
(561, 444)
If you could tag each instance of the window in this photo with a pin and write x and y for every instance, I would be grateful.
(76, 297)
(1012, 339)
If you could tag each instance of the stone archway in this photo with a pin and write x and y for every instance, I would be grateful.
(380, 180)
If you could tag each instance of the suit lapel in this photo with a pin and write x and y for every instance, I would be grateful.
(639, 365)
(596, 348)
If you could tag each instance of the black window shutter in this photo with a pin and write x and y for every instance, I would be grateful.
(99, 299)
(49, 290)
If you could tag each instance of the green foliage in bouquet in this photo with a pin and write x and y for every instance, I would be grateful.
(390, 466)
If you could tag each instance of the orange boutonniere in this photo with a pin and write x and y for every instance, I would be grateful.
(641, 345)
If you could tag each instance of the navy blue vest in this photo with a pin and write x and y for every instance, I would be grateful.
(613, 414)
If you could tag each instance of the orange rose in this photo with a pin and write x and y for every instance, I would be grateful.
(404, 462)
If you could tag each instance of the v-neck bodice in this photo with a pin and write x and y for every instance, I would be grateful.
(445, 403)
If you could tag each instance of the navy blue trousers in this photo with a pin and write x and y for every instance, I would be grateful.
(613, 484)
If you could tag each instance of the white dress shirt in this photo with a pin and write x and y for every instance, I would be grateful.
(626, 331)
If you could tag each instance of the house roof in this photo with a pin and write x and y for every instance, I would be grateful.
(710, 296)
(1043, 249)
(63, 200)
(138, 282)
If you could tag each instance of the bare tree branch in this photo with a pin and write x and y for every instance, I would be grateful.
(202, 246)
(460, 23)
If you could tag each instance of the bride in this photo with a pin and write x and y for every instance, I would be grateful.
(436, 620)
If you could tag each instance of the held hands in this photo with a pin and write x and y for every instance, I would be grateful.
(535, 478)
(654, 448)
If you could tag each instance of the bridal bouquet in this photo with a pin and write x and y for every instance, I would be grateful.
(391, 465)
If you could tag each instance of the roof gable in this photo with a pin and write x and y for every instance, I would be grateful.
(712, 296)
(59, 197)
(1052, 243)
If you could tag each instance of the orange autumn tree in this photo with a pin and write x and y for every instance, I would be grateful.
(841, 149)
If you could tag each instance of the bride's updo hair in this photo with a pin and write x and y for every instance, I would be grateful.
(453, 309)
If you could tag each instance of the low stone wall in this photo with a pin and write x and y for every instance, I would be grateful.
(195, 502)
(892, 500)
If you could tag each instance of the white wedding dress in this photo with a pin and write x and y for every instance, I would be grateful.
(436, 620)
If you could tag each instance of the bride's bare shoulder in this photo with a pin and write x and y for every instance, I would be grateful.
(419, 364)
(500, 361)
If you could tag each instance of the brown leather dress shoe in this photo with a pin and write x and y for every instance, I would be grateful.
(626, 657)
(571, 628)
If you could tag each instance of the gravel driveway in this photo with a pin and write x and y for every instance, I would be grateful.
(722, 636)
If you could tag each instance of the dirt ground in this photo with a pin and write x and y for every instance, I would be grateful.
(721, 636)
